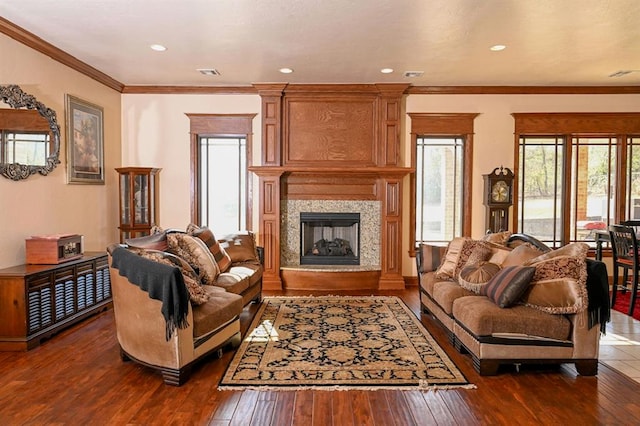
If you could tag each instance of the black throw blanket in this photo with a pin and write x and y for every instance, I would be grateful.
(162, 282)
(598, 292)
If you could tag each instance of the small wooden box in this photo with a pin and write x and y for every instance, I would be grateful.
(53, 249)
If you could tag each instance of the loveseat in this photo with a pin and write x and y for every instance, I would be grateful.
(510, 299)
(177, 296)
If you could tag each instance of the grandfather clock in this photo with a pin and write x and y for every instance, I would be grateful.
(498, 197)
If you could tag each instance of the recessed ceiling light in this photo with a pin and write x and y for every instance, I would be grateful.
(286, 70)
(498, 47)
(413, 74)
(386, 70)
(158, 47)
(208, 71)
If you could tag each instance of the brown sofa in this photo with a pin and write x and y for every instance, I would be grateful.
(174, 304)
(555, 300)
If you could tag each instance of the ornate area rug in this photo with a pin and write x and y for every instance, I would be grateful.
(339, 343)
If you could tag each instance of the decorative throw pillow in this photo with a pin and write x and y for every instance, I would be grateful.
(556, 296)
(559, 285)
(498, 253)
(219, 254)
(430, 257)
(500, 238)
(508, 286)
(196, 253)
(458, 252)
(481, 253)
(474, 277)
(197, 294)
(241, 247)
(520, 256)
(571, 249)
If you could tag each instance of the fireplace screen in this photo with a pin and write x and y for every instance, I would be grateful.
(329, 238)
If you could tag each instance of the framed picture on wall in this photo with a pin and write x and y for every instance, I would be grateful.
(85, 142)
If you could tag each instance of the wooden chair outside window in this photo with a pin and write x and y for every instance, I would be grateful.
(624, 247)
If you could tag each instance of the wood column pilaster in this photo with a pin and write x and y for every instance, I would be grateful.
(271, 95)
(391, 233)
(390, 110)
(269, 227)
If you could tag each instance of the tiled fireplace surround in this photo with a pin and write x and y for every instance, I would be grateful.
(331, 148)
(369, 230)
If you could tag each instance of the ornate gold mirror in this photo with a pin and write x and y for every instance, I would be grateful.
(29, 135)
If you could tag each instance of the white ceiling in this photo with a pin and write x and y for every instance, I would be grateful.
(549, 42)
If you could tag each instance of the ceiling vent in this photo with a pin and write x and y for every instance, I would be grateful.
(413, 74)
(209, 71)
(622, 73)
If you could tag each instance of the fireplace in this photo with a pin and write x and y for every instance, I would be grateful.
(329, 238)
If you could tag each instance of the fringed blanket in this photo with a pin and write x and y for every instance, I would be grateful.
(162, 282)
(598, 291)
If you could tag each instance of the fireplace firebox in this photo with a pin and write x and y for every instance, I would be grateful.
(329, 238)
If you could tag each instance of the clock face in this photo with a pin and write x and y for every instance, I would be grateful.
(500, 192)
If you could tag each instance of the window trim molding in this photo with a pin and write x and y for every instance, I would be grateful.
(443, 124)
(212, 125)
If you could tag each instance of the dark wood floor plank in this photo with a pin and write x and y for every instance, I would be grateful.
(420, 411)
(322, 408)
(283, 410)
(342, 407)
(227, 404)
(362, 414)
(246, 405)
(438, 407)
(398, 407)
(77, 377)
(263, 412)
(303, 408)
(380, 410)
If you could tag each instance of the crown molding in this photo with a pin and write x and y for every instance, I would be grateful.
(31, 40)
(190, 90)
(522, 90)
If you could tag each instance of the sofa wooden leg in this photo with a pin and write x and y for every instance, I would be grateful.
(123, 356)
(587, 367)
(236, 340)
(486, 367)
(175, 377)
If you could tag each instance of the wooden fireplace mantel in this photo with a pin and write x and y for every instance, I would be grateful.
(339, 142)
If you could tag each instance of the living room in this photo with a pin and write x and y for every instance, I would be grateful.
(150, 127)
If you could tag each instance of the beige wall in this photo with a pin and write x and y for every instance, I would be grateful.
(47, 204)
(155, 133)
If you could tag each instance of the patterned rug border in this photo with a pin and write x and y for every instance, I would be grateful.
(423, 385)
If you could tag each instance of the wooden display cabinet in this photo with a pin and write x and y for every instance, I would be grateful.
(138, 201)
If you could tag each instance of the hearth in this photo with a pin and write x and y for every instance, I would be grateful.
(329, 238)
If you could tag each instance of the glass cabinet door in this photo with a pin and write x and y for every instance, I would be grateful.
(138, 198)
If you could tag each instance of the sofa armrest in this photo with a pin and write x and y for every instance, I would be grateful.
(517, 239)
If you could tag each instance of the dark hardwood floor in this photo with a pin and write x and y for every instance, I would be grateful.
(77, 378)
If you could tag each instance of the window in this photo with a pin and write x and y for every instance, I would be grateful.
(221, 155)
(442, 146)
(223, 172)
(439, 168)
(583, 178)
